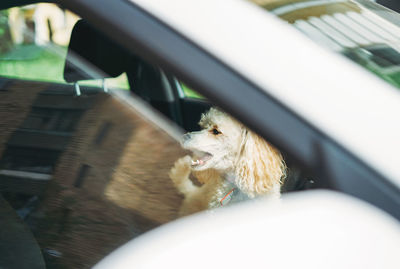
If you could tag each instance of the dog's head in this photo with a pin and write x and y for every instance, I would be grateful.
(227, 146)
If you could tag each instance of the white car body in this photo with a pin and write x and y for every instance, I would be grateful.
(314, 230)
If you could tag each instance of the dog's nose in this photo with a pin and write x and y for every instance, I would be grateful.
(186, 137)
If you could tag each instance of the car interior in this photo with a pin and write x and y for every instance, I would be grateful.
(160, 90)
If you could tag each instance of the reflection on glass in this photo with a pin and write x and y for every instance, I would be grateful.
(85, 174)
(79, 175)
(348, 27)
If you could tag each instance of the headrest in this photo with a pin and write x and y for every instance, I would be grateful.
(90, 49)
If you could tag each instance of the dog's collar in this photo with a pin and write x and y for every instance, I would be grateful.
(230, 178)
(228, 197)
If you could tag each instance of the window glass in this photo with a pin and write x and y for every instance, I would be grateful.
(45, 119)
(22, 158)
(82, 170)
(85, 168)
(360, 30)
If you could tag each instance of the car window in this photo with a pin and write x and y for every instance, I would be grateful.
(80, 172)
(86, 167)
(358, 30)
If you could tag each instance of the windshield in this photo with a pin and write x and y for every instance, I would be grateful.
(362, 31)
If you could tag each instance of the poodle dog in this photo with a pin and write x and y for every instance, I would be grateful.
(231, 162)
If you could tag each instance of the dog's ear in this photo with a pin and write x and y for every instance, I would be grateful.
(260, 167)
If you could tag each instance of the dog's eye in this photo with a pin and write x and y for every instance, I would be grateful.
(215, 131)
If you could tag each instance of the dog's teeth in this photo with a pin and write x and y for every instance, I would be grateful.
(198, 162)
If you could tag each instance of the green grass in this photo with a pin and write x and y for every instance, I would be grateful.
(190, 93)
(32, 62)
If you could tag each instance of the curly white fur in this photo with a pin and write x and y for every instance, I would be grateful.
(226, 149)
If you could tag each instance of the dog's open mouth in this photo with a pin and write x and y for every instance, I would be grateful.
(200, 158)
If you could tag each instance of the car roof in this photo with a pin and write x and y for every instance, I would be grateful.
(349, 105)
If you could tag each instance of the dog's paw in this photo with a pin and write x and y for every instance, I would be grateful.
(181, 169)
(184, 163)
